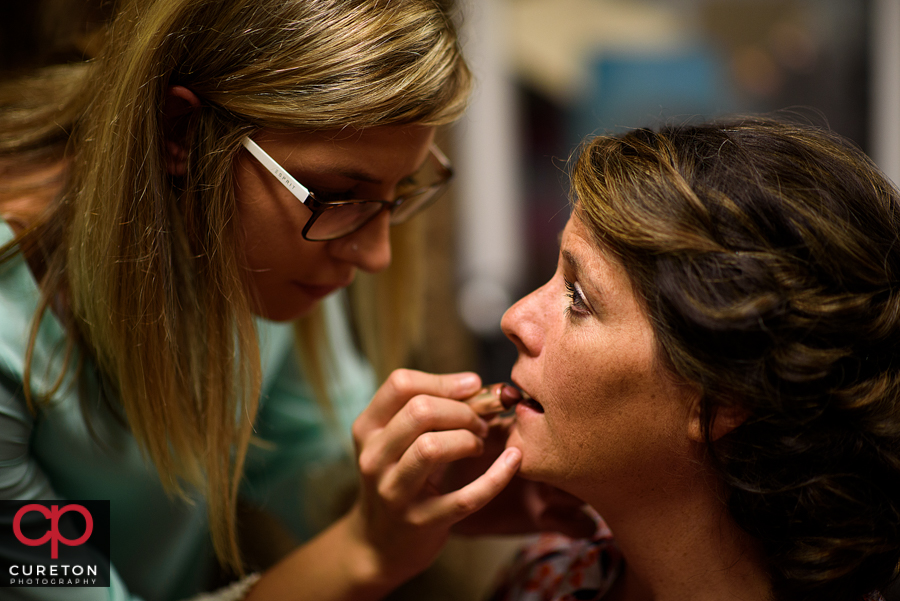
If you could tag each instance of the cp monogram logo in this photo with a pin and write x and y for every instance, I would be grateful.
(53, 534)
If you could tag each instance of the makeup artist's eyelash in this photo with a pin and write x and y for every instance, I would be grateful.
(576, 302)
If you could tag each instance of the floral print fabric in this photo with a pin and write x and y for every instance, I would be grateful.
(558, 568)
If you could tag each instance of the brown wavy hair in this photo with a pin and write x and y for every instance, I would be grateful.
(767, 255)
(149, 263)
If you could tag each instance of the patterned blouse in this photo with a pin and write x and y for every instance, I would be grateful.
(558, 568)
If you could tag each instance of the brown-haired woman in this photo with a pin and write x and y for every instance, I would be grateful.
(218, 169)
(714, 368)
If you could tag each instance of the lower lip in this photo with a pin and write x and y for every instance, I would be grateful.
(524, 409)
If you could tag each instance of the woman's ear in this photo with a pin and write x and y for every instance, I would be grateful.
(178, 105)
(725, 419)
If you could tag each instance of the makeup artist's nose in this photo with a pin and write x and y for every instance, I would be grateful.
(369, 248)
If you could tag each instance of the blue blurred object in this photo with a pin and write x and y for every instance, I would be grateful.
(638, 90)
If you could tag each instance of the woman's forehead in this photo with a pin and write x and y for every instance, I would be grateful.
(593, 264)
(371, 155)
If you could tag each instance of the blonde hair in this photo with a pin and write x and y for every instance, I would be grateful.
(148, 263)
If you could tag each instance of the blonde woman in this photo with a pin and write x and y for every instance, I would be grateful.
(217, 172)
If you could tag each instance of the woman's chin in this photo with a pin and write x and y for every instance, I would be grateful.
(530, 465)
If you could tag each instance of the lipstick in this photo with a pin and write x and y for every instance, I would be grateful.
(510, 395)
(494, 399)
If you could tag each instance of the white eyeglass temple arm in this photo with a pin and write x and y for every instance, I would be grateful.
(295, 187)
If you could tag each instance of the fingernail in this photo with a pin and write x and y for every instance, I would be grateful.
(509, 395)
(512, 456)
(483, 428)
(467, 382)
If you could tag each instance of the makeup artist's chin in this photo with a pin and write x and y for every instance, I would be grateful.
(296, 301)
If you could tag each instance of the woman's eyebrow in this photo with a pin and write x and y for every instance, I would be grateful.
(572, 261)
(358, 175)
(347, 173)
(368, 178)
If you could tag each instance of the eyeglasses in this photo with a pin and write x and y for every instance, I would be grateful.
(332, 219)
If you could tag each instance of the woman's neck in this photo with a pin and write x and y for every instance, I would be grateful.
(681, 545)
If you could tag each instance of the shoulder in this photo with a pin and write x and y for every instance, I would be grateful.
(19, 301)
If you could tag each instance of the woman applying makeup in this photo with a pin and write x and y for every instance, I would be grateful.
(178, 213)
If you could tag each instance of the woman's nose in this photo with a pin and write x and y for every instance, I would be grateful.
(520, 323)
(369, 248)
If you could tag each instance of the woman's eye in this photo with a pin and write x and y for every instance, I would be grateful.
(407, 185)
(332, 196)
(577, 304)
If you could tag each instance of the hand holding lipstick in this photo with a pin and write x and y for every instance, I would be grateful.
(522, 506)
(412, 430)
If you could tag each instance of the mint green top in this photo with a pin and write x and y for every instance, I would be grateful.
(159, 544)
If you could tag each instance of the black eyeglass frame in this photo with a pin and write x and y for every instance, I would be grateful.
(320, 207)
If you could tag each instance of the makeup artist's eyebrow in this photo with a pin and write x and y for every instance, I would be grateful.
(359, 176)
(354, 174)
(340, 171)
(362, 176)
(369, 178)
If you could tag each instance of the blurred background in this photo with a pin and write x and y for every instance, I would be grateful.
(549, 73)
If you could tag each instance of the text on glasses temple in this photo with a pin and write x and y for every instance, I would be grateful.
(295, 187)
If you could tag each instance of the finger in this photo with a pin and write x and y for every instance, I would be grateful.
(421, 414)
(429, 452)
(452, 507)
(404, 384)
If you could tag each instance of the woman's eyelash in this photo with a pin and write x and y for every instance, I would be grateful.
(576, 303)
